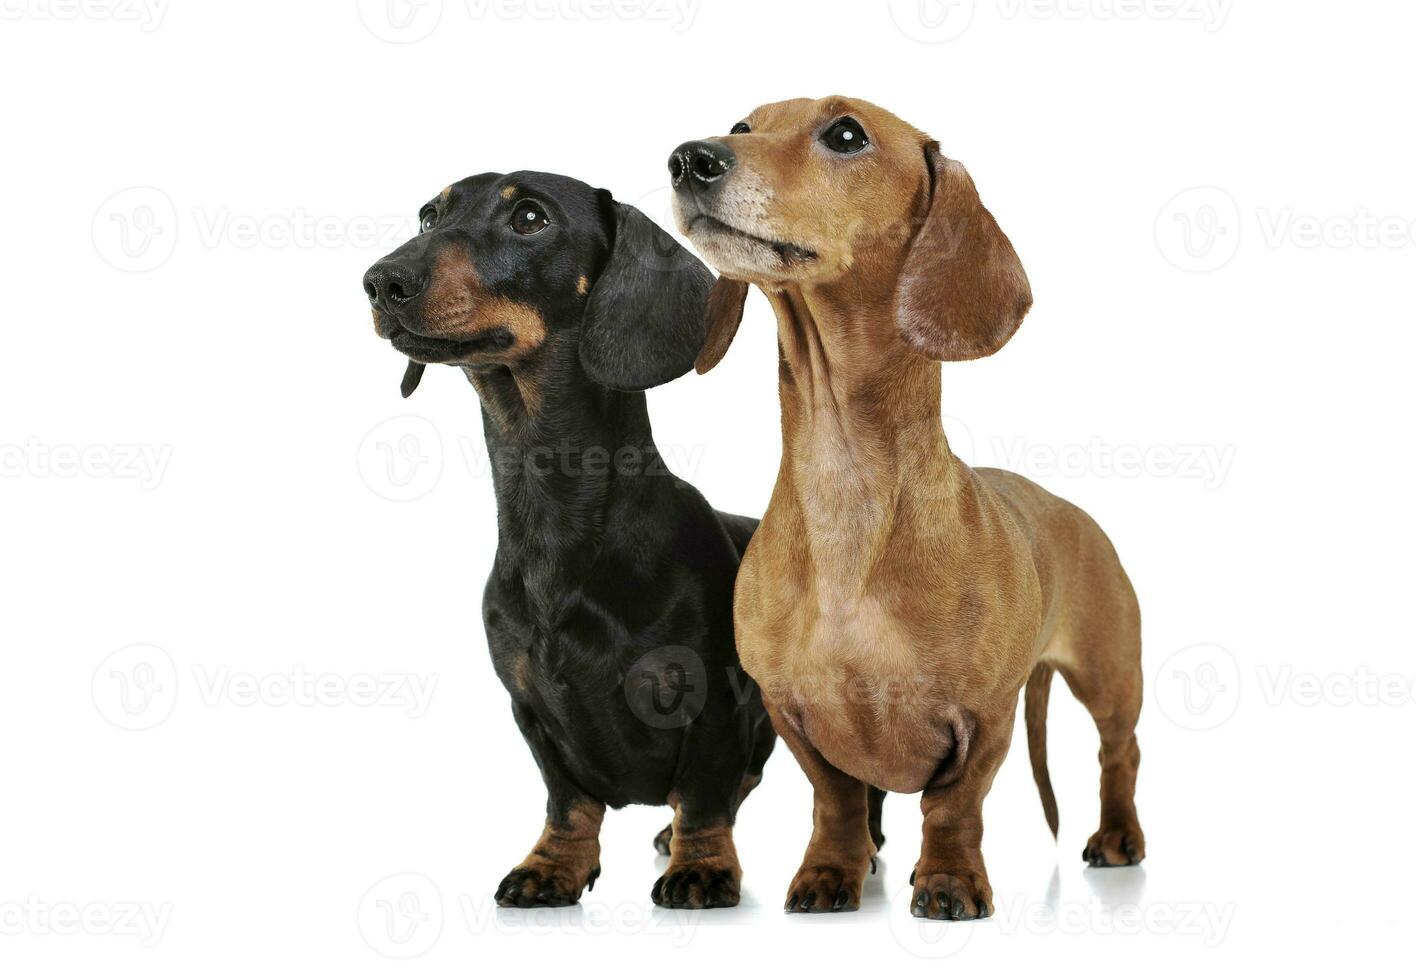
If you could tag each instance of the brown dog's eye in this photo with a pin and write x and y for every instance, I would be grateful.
(740, 128)
(528, 217)
(427, 220)
(845, 135)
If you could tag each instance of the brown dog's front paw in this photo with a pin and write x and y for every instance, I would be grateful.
(535, 885)
(698, 886)
(1115, 848)
(944, 895)
(823, 888)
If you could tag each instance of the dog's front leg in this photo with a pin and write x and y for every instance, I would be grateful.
(950, 881)
(841, 851)
(703, 871)
(566, 859)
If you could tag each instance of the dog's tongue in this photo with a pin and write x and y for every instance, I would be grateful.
(411, 377)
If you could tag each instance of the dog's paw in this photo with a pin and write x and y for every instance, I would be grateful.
(823, 888)
(530, 886)
(663, 839)
(958, 895)
(1115, 847)
(703, 885)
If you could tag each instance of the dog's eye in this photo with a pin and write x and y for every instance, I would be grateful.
(845, 136)
(528, 217)
(740, 128)
(426, 220)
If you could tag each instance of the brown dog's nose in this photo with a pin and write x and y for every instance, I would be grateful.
(700, 162)
(391, 284)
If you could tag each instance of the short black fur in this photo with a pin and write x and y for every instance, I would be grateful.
(608, 611)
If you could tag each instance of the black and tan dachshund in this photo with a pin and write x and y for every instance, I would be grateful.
(609, 607)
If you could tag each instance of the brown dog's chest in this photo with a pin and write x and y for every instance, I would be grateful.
(871, 638)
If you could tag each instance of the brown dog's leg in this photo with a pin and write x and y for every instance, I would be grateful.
(841, 852)
(950, 881)
(1114, 700)
(564, 861)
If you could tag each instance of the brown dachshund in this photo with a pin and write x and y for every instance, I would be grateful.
(894, 600)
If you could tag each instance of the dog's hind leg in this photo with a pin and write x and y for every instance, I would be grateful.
(1102, 666)
(566, 859)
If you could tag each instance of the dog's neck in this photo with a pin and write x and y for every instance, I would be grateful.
(563, 451)
(861, 427)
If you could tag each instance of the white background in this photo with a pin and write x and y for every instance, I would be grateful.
(1220, 376)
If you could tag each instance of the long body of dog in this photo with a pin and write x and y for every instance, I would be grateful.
(609, 607)
(894, 601)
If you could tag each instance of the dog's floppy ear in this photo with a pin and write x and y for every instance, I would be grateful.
(962, 292)
(411, 376)
(643, 323)
(724, 315)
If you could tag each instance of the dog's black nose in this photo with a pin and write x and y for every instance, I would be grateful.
(391, 284)
(702, 162)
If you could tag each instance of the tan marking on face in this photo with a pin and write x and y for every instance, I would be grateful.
(508, 192)
(582, 285)
(788, 187)
(445, 193)
(378, 323)
(458, 307)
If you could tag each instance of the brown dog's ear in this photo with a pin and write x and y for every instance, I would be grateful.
(411, 376)
(724, 315)
(643, 323)
(962, 292)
